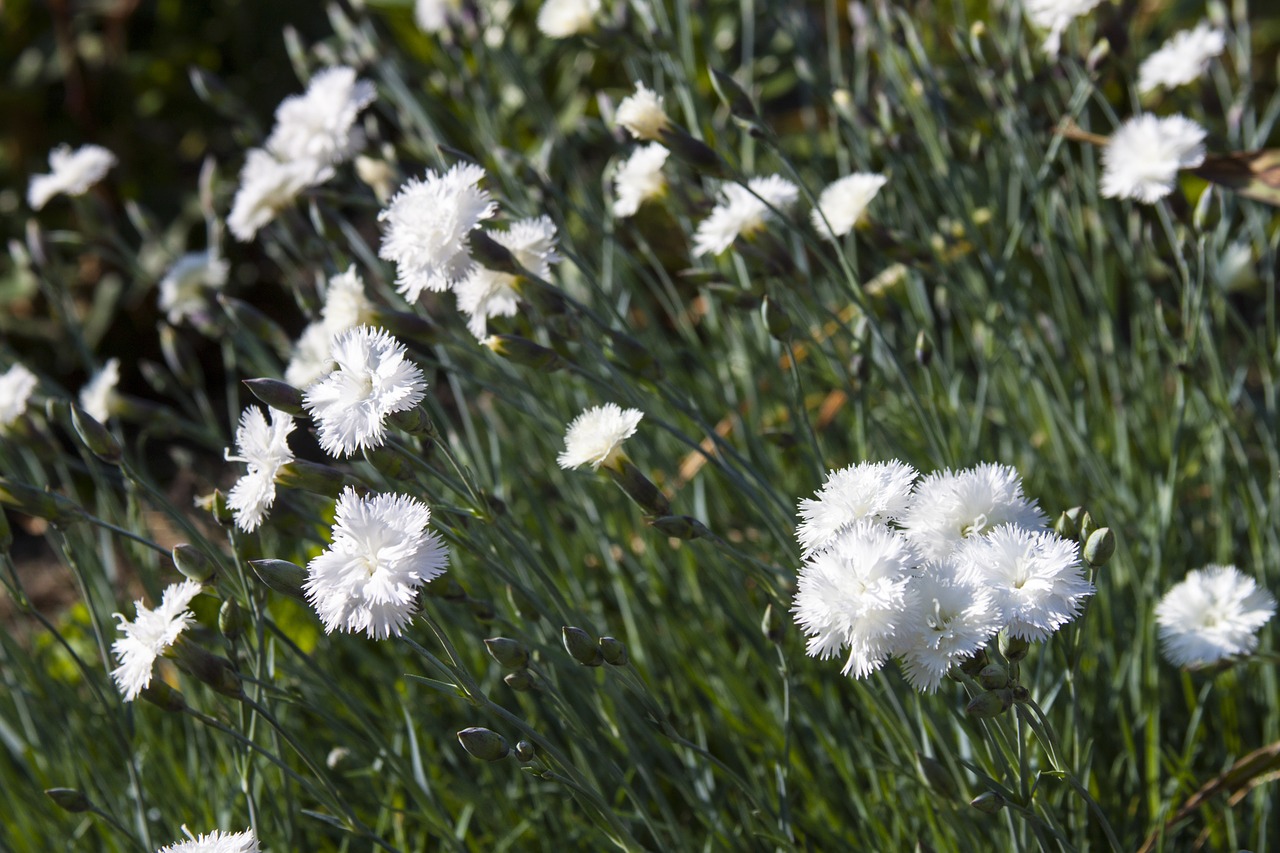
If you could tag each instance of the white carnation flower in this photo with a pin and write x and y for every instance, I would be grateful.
(373, 380)
(345, 307)
(1144, 156)
(1212, 615)
(312, 356)
(880, 491)
(843, 202)
(98, 392)
(945, 621)
(642, 114)
(184, 290)
(950, 506)
(265, 449)
(74, 172)
(1055, 16)
(149, 634)
(318, 126)
(559, 19)
(429, 223)
(1182, 58)
(16, 386)
(638, 179)
(368, 579)
(743, 211)
(488, 293)
(214, 842)
(595, 436)
(433, 16)
(267, 186)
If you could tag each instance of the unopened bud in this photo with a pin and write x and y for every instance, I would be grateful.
(522, 603)
(244, 316)
(638, 487)
(990, 704)
(993, 676)
(192, 563)
(482, 743)
(924, 349)
(164, 697)
(581, 647)
(96, 437)
(69, 799)
(1014, 649)
(37, 502)
(281, 576)
(277, 395)
(389, 462)
(525, 352)
(1087, 526)
(511, 654)
(314, 477)
(1021, 695)
(680, 526)
(1068, 524)
(414, 421)
(217, 672)
(216, 503)
(521, 680)
(614, 651)
(989, 802)
(230, 619)
(525, 751)
(1099, 547)
(974, 664)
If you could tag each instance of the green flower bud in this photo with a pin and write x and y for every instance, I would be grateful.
(734, 96)
(69, 799)
(314, 477)
(680, 526)
(217, 672)
(96, 437)
(522, 604)
(31, 501)
(613, 651)
(637, 486)
(282, 576)
(581, 647)
(277, 395)
(973, 664)
(521, 680)
(525, 751)
(993, 676)
(1068, 523)
(1099, 547)
(163, 696)
(988, 802)
(990, 704)
(230, 619)
(509, 653)
(1087, 526)
(483, 743)
(1021, 695)
(193, 564)
(215, 503)
(245, 316)
(924, 349)
(414, 421)
(1014, 649)
(389, 462)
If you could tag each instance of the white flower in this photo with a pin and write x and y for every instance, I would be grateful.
(741, 213)
(215, 842)
(368, 579)
(596, 435)
(96, 395)
(950, 506)
(853, 595)
(267, 186)
(1181, 59)
(16, 385)
(432, 16)
(946, 620)
(642, 114)
(1145, 153)
(184, 288)
(638, 179)
(1213, 614)
(1035, 578)
(265, 449)
(488, 293)
(345, 307)
(148, 635)
(559, 19)
(843, 202)
(1055, 16)
(74, 172)
(374, 379)
(312, 356)
(880, 491)
(318, 126)
(428, 226)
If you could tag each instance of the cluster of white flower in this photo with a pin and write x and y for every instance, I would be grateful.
(929, 570)
(148, 636)
(72, 173)
(345, 307)
(265, 449)
(313, 133)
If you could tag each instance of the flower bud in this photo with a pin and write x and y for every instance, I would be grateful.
(192, 563)
(680, 526)
(509, 653)
(522, 603)
(69, 799)
(525, 751)
(96, 437)
(245, 316)
(277, 395)
(1087, 526)
(993, 676)
(988, 802)
(1021, 695)
(771, 626)
(217, 672)
(990, 704)
(1014, 649)
(1099, 547)
(581, 647)
(637, 486)
(525, 352)
(613, 651)
(483, 743)
(414, 421)
(521, 680)
(924, 349)
(282, 576)
(230, 619)
(314, 477)
(31, 501)
(734, 96)
(1068, 524)
(973, 664)
(163, 696)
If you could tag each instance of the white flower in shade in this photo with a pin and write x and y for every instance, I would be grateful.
(185, 288)
(1035, 578)
(595, 437)
(319, 125)
(98, 392)
(429, 223)
(267, 186)
(265, 449)
(853, 595)
(950, 506)
(74, 172)
(148, 635)
(16, 385)
(1144, 156)
(312, 356)
(880, 491)
(368, 579)
(1212, 615)
(946, 620)
(373, 380)
(642, 114)
(638, 179)
(214, 842)
(1182, 58)
(559, 19)
(1055, 16)
(345, 307)
(842, 203)
(486, 293)
(433, 16)
(743, 211)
